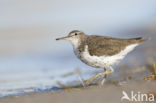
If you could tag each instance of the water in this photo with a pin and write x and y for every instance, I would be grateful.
(30, 74)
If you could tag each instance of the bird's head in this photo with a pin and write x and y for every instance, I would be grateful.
(74, 37)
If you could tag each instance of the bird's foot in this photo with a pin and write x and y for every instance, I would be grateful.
(93, 78)
(98, 75)
(103, 81)
(106, 73)
(152, 76)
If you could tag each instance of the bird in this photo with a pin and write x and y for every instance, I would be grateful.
(101, 51)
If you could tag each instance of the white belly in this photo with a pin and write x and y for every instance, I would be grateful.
(103, 61)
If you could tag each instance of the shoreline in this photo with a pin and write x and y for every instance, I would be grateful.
(109, 92)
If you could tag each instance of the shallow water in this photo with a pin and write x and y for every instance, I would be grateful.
(29, 74)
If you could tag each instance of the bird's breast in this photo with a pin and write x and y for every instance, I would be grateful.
(94, 61)
(102, 61)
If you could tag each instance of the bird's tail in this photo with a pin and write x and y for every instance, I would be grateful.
(139, 39)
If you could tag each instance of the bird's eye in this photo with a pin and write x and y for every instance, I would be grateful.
(75, 33)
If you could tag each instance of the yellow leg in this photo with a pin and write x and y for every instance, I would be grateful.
(103, 80)
(106, 73)
(94, 77)
(100, 74)
(111, 70)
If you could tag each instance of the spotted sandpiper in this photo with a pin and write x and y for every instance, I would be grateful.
(101, 51)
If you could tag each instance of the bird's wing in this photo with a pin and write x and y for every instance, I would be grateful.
(108, 46)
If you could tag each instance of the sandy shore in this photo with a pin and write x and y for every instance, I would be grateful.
(128, 80)
(109, 93)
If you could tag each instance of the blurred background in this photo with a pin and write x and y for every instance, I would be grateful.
(30, 57)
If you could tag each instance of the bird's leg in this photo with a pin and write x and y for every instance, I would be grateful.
(94, 77)
(105, 76)
(111, 70)
(106, 73)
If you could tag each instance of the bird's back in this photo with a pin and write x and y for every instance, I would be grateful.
(108, 46)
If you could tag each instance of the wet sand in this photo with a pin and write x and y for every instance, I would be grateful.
(106, 94)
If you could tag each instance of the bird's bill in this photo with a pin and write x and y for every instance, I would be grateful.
(63, 38)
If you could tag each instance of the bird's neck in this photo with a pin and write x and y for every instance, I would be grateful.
(76, 43)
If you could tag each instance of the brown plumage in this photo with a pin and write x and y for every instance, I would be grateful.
(101, 45)
(108, 46)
